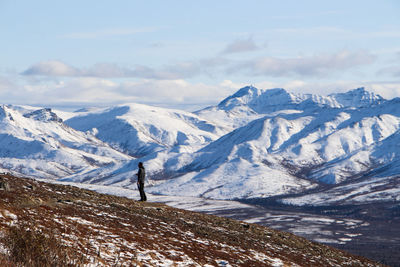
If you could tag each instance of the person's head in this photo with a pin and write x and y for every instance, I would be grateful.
(140, 165)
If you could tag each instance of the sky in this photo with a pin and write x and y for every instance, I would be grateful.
(191, 54)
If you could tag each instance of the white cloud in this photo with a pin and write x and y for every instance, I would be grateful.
(54, 68)
(179, 93)
(51, 68)
(316, 65)
(388, 90)
(240, 46)
(84, 91)
(5, 84)
(231, 84)
(391, 70)
(55, 92)
(175, 71)
(174, 91)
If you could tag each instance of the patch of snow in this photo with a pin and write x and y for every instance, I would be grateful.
(223, 263)
(7, 214)
(80, 220)
(271, 261)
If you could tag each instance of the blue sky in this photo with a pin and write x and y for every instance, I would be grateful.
(190, 54)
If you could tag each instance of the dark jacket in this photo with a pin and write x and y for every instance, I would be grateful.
(141, 175)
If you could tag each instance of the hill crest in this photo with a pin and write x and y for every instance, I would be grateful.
(106, 230)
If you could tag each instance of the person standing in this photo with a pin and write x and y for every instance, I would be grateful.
(140, 181)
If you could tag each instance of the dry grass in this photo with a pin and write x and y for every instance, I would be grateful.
(45, 223)
(4, 262)
(28, 246)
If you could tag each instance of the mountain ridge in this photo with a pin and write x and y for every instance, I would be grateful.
(283, 141)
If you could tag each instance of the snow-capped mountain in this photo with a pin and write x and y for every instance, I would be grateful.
(290, 141)
(357, 98)
(322, 139)
(37, 143)
(249, 103)
(329, 147)
(139, 130)
(254, 143)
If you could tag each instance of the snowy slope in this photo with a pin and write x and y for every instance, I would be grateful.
(249, 102)
(329, 139)
(37, 143)
(350, 144)
(152, 134)
(380, 183)
(372, 190)
(286, 141)
(139, 130)
(357, 98)
(212, 173)
(235, 179)
(323, 130)
(255, 143)
(272, 156)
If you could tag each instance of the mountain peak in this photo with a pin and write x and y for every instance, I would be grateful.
(266, 100)
(250, 89)
(360, 89)
(5, 113)
(358, 97)
(44, 114)
(261, 100)
(242, 96)
(2, 111)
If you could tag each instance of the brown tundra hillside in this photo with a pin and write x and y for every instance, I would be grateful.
(43, 224)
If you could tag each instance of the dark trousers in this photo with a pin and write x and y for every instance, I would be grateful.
(141, 190)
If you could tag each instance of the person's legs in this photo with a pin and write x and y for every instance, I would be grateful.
(142, 193)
